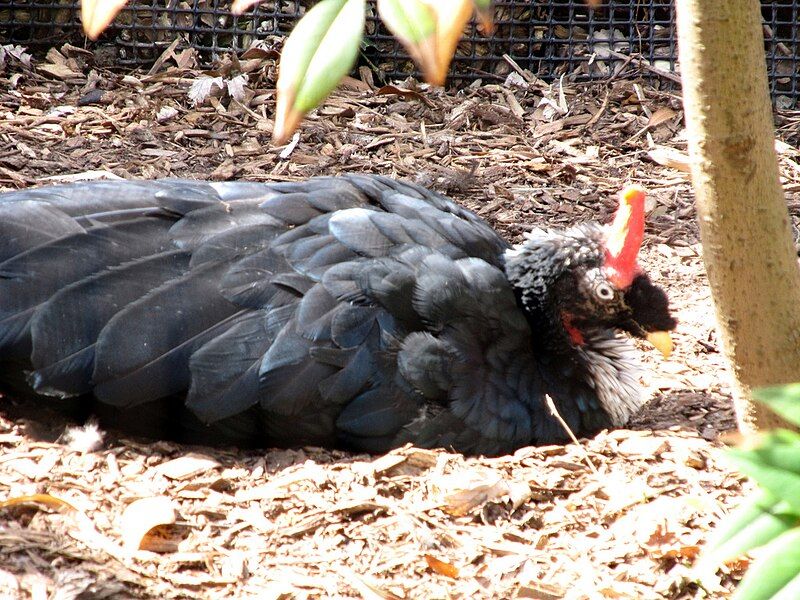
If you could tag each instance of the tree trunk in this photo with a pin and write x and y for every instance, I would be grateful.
(744, 223)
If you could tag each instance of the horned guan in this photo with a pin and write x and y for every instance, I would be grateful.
(358, 312)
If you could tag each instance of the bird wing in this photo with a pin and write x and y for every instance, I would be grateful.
(466, 359)
(340, 307)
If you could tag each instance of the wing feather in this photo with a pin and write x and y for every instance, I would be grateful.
(29, 279)
(143, 352)
(65, 328)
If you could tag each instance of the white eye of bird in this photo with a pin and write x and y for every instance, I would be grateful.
(604, 291)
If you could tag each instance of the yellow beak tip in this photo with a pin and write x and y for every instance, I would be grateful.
(661, 341)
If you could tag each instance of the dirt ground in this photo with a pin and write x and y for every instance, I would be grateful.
(618, 516)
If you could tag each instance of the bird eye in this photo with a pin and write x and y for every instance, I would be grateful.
(604, 291)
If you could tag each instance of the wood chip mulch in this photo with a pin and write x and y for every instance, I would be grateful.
(619, 516)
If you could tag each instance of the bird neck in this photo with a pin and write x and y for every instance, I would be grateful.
(603, 360)
(533, 269)
(611, 362)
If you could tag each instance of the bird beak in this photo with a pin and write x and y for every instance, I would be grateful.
(662, 341)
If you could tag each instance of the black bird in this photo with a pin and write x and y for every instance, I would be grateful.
(357, 312)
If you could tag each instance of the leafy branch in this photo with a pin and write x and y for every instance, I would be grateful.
(768, 524)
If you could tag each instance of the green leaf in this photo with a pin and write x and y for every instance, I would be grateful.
(768, 467)
(320, 51)
(791, 591)
(411, 21)
(335, 54)
(777, 565)
(783, 399)
(748, 511)
(756, 522)
(779, 448)
(429, 30)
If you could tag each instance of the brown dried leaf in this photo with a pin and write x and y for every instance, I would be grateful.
(227, 170)
(44, 499)
(536, 590)
(58, 71)
(142, 524)
(646, 447)
(441, 567)
(306, 472)
(367, 589)
(381, 465)
(664, 543)
(261, 54)
(463, 502)
(661, 115)
(682, 552)
(187, 466)
(738, 564)
(393, 90)
(661, 536)
(402, 461)
(670, 157)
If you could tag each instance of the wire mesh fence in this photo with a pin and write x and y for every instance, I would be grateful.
(549, 38)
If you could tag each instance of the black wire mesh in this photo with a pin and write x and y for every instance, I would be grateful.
(781, 33)
(550, 38)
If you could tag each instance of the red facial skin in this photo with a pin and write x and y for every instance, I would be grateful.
(574, 333)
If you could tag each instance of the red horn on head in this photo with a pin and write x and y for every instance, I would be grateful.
(624, 238)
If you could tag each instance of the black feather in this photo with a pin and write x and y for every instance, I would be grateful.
(143, 352)
(224, 371)
(65, 328)
(357, 311)
(31, 277)
(28, 224)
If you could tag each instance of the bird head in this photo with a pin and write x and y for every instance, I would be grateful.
(586, 280)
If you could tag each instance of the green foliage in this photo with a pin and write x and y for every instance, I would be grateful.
(412, 20)
(329, 49)
(324, 45)
(783, 399)
(768, 525)
(777, 565)
(320, 51)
